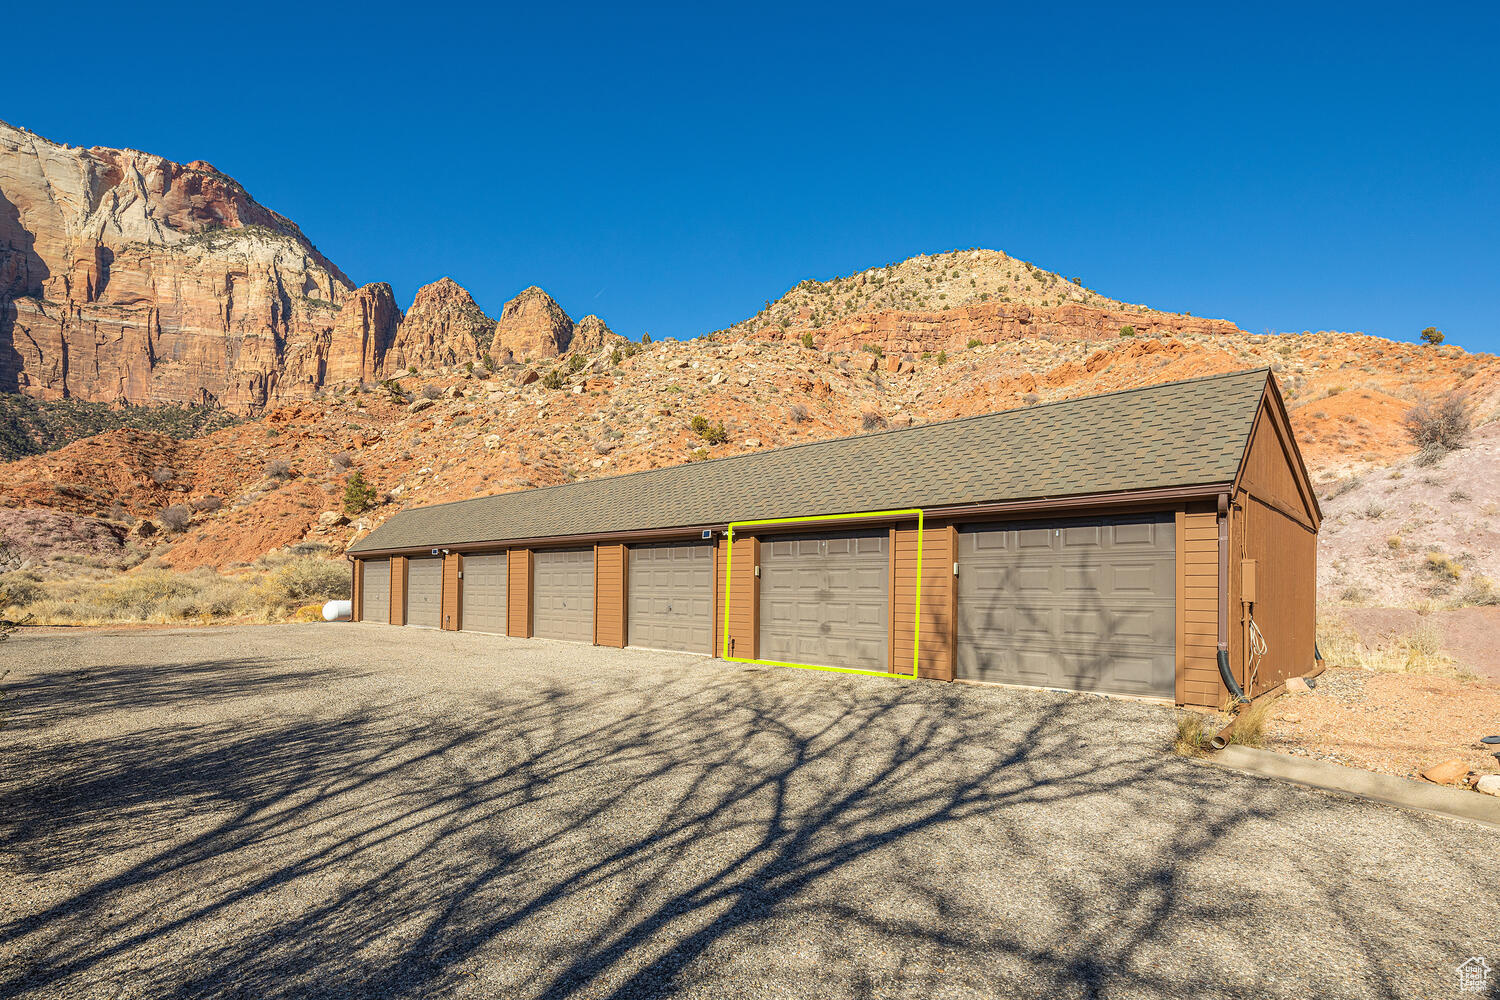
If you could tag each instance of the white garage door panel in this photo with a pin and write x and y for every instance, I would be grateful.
(670, 596)
(824, 600)
(424, 592)
(484, 593)
(1088, 605)
(375, 599)
(563, 594)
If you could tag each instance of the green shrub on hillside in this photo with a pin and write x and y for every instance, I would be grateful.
(359, 495)
(713, 433)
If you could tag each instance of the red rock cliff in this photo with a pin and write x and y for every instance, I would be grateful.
(125, 276)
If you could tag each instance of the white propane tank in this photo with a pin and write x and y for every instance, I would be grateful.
(338, 611)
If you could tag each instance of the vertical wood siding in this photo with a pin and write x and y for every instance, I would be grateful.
(357, 605)
(398, 590)
(744, 595)
(936, 639)
(1198, 610)
(1285, 610)
(452, 592)
(609, 595)
(518, 593)
(1270, 473)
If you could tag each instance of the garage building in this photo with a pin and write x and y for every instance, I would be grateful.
(1115, 544)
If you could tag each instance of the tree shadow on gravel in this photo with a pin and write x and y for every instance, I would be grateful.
(697, 830)
(43, 698)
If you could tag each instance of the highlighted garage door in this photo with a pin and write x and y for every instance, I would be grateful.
(484, 593)
(424, 592)
(1087, 605)
(375, 590)
(563, 594)
(670, 602)
(824, 599)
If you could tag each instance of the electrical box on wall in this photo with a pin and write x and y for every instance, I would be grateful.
(1247, 581)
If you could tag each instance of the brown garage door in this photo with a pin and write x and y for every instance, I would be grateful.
(484, 593)
(823, 599)
(671, 596)
(1087, 605)
(563, 594)
(375, 590)
(424, 592)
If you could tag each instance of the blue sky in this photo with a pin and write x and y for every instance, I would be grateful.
(1287, 167)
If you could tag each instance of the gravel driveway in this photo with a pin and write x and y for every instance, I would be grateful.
(358, 810)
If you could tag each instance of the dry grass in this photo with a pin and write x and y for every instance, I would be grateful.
(1250, 725)
(1194, 730)
(278, 588)
(1443, 567)
(1417, 652)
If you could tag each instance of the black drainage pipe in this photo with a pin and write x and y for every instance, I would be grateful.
(1228, 678)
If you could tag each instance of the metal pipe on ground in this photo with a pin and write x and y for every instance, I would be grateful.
(1220, 740)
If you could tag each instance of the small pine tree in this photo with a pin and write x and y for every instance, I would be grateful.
(1432, 335)
(489, 363)
(645, 338)
(359, 496)
(807, 341)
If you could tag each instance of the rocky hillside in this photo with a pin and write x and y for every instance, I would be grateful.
(942, 301)
(126, 277)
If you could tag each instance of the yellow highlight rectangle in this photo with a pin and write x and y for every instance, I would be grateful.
(916, 636)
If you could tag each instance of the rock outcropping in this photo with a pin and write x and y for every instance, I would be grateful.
(592, 334)
(444, 326)
(531, 325)
(913, 332)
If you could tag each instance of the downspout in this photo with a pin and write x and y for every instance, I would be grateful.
(1225, 674)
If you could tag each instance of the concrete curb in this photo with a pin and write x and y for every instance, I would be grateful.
(1435, 800)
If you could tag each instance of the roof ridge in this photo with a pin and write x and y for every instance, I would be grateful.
(848, 437)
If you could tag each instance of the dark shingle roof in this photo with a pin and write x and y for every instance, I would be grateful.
(1179, 434)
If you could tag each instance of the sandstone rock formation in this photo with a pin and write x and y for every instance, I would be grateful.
(532, 325)
(913, 332)
(444, 326)
(125, 276)
(591, 334)
(364, 329)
